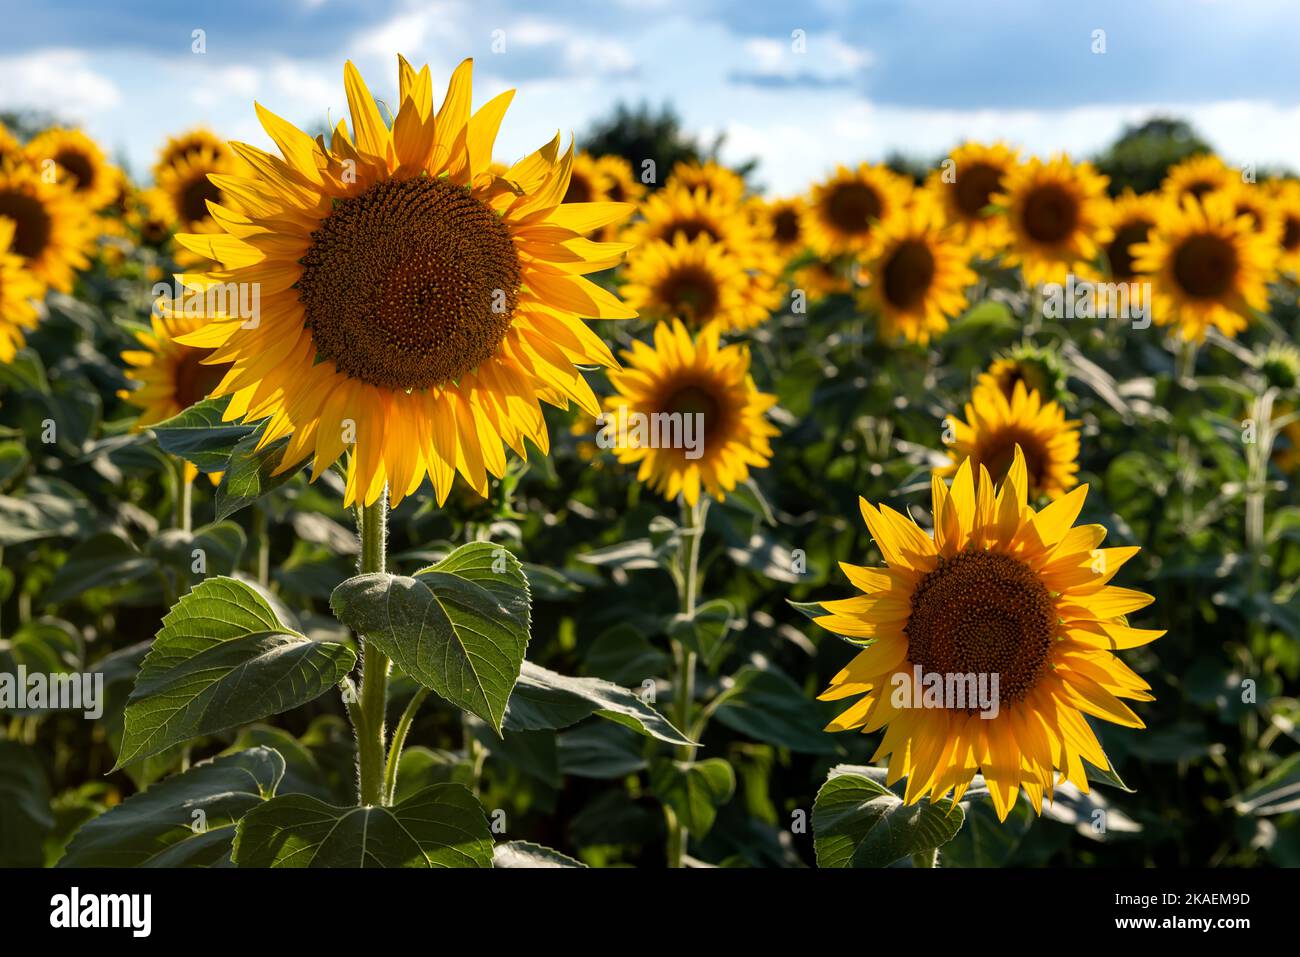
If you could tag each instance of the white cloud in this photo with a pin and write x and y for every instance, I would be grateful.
(57, 80)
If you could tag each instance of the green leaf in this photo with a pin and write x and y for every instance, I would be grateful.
(187, 820)
(747, 497)
(1276, 793)
(767, 706)
(199, 436)
(47, 646)
(13, 459)
(102, 560)
(49, 508)
(544, 699)
(694, 791)
(705, 633)
(624, 655)
(248, 474)
(25, 816)
(224, 657)
(526, 854)
(598, 750)
(441, 826)
(459, 627)
(984, 841)
(211, 550)
(858, 822)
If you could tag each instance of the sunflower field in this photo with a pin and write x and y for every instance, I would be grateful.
(375, 498)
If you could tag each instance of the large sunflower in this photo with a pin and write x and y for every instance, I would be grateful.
(414, 306)
(978, 172)
(997, 589)
(697, 281)
(1208, 265)
(18, 289)
(81, 164)
(1197, 177)
(52, 230)
(845, 212)
(169, 377)
(1055, 210)
(684, 377)
(997, 426)
(920, 275)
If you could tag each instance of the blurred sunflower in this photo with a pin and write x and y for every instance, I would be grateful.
(1127, 220)
(1198, 176)
(11, 151)
(846, 211)
(821, 278)
(676, 211)
(920, 275)
(697, 281)
(185, 180)
(997, 426)
(18, 291)
(996, 589)
(83, 166)
(1039, 368)
(1055, 211)
(783, 219)
(1285, 202)
(1208, 266)
(187, 146)
(979, 172)
(681, 376)
(413, 305)
(150, 216)
(715, 179)
(1255, 204)
(587, 182)
(52, 230)
(621, 186)
(169, 377)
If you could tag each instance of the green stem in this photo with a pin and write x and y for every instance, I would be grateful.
(182, 499)
(373, 528)
(928, 858)
(399, 741)
(1187, 360)
(684, 658)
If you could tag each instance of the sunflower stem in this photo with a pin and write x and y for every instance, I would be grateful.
(372, 527)
(182, 499)
(399, 741)
(684, 658)
(928, 858)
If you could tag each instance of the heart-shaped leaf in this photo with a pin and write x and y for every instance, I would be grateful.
(694, 791)
(858, 822)
(459, 627)
(224, 657)
(441, 826)
(199, 435)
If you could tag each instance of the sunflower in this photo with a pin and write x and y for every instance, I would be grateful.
(169, 377)
(997, 426)
(80, 162)
(1127, 220)
(186, 182)
(1198, 176)
(820, 278)
(621, 186)
(1255, 204)
(1038, 367)
(997, 589)
(587, 182)
(150, 216)
(714, 178)
(684, 377)
(846, 211)
(413, 306)
(11, 151)
(1208, 266)
(1285, 205)
(696, 281)
(920, 275)
(676, 211)
(187, 146)
(52, 230)
(18, 289)
(1055, 211)
(978, 172)
(783, 220)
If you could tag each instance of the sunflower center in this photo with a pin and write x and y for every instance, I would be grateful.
(908, 274)
(1199, 188)
(983, 613)
(1000, 451)
(852, 206)
(78, 167)
(1051, 214)
(410, 284)
(695, 399)
(691, 292)
(1291, 233)
(975, 187)
(785, 226)
(579, 190)
(194, 380)
(193, 204)
(1117, 251)
(1205, 266)
(32, 225)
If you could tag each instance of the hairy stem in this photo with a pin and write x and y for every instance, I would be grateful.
(373, 528)
(684, 658)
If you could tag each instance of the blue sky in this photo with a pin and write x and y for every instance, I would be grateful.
(873, 75)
